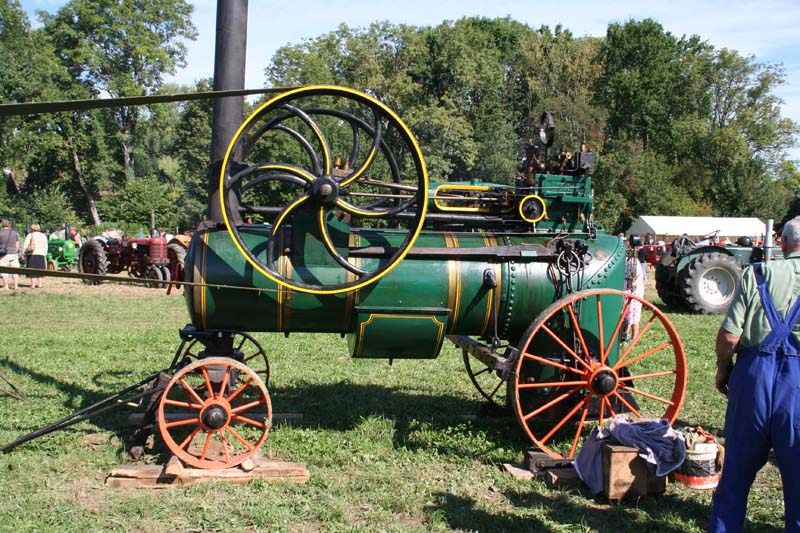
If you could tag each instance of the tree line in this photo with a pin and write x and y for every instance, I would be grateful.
(681, 128)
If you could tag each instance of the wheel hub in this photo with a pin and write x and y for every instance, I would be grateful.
(604, 382)
(325, 190)
(215, 417)
(717, 286)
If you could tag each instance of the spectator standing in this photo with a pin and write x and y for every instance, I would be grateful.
(762, 413)
(35, 247)
(9, 240)
(634, 284)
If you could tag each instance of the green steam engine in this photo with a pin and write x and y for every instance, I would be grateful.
(330, 224)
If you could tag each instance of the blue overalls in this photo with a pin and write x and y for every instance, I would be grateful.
(763, 413)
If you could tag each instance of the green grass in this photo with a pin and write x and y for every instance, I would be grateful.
(388, 447)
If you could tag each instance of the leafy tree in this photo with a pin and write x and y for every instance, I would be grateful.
(191, 150)
(122, 48)
(49, 207)
(134, 203)
(651, 78)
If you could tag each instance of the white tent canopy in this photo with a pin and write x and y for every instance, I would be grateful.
(665, 228)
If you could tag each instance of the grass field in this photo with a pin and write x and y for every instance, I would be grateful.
(388, 447)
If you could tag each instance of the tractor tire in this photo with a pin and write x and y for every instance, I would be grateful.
(176, 254)
(708, 284)
(166, 275)
(155, 276)
(667, 291)
(92, 260)
(52, 265)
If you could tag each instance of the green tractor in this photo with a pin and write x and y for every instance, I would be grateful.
(702, 278)
(62, 253)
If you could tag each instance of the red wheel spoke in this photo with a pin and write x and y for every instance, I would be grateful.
(188, 405)
(611, 408)
(205, 447)
(225, 447)
(250, 421)
(188, 440)
(552, 363)
(239, 438)
(576, 326)
(638, 337)
(238, 391)
(551, 384)
(563, 421)
(625, 402)
(187, 422)
(575, 440)
(648, 376)
(639, 357)
(600, 329)
(602, 410)
(247, 406)
(551, 403)
(647, 395)
(191, 391)
(567, 348)
(615, 335)
(207, 380)
(224, 384)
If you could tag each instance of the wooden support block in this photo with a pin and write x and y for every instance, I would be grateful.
(562, 478)
(518, 471)
(627, 476)
(176, 475)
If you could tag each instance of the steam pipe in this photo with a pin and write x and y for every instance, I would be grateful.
(229, 71)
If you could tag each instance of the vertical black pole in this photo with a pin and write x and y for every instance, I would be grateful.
(229, 67)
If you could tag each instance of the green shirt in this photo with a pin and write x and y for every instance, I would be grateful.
(746, 318)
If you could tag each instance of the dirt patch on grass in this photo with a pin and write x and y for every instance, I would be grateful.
(54, 285)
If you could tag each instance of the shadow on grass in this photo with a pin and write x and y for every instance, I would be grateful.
(80, 398)
(553, 510)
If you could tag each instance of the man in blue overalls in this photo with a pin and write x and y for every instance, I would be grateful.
(763, 388)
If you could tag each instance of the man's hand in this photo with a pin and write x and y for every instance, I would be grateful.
(721, 379)
(726, 344)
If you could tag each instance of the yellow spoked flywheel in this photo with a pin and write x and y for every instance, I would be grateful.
(309, 179)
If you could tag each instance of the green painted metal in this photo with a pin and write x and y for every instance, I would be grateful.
(62, 252)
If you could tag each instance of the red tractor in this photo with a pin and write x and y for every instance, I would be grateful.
(142, 257)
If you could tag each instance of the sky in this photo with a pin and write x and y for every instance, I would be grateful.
(767, 29)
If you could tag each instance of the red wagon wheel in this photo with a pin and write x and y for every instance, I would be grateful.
(573, 368)
(200, 407)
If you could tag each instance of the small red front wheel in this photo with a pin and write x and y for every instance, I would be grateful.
(214, 413)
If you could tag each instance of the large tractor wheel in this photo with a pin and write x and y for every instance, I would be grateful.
(92, 260)
(572, 368)
(666, 287)
(177, 257)
(709, 283)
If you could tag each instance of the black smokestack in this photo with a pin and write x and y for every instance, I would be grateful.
(228, 112)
